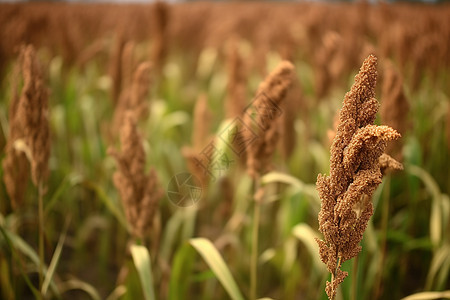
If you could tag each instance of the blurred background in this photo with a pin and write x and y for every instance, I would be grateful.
(206, 61)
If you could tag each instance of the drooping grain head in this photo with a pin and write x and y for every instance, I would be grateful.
(237, 80)
(115, 67)
(15, 164)
(262, 118)
(394, 107)
(140, 88)
(140, 193)
(133, 97)
(323, 61)
(160, 22)
(33, 114)
(29, 138)
(127, 63)
(354, 175)
(201, 134)
(291, 107)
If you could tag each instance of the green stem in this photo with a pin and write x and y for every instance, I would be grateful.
(333, 275)
(354, 278)
(41, 235)
(384, 228)
(254, 253)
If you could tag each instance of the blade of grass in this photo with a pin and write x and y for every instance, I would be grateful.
(68, 182)
(436, 217)
(76, 284)
(428, 296)
(23, 247)
(25, 277)
(141, 259)
(217, 265)
(55, 259)
(118, 292)
(109, 203)
(437, 263)
(308, 189)
(182, 265)
(307, 236)
(170, 233)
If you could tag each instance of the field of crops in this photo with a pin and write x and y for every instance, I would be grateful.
(225, 151)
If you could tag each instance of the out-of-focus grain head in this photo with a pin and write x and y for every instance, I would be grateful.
(128, 63)
(293, 103)
(140, 87)
(93, 51)
(200, 137)
(29, 134)
(32, 113)
(394, 107)
(159, 30)
(237, 79)
(262, 117)
(15, 164)
(140, 193)
(133, 98)
(329, 64)
(115, 67)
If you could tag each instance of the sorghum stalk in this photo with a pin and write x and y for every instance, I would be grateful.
(354, 175)
(261, 121)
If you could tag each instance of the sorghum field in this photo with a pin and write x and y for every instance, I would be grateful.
(225, 151)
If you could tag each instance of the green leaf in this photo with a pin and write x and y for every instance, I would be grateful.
(181, 265)
(109, 203)
(298, 185)
(23, 247)
(141, 259)
(76, 284)
(14, 254)
(55, 260)
(440, 261)
(217, 265)
(117, 293)
(307, 236)
(428, 296)
(437, 206)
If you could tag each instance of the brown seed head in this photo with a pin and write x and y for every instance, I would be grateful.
(15, 163)
(354, 175)
(395, 107)
(133, 97)
(262, 116)
(202, 125)
(139, 192)
(29, 125)
(237, 80)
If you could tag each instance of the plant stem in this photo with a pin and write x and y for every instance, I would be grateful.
(41, 235)
(254, 253)
(384, 228)
(333, 275)
(354, 278)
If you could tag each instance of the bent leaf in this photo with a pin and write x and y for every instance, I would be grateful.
(217, 265)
